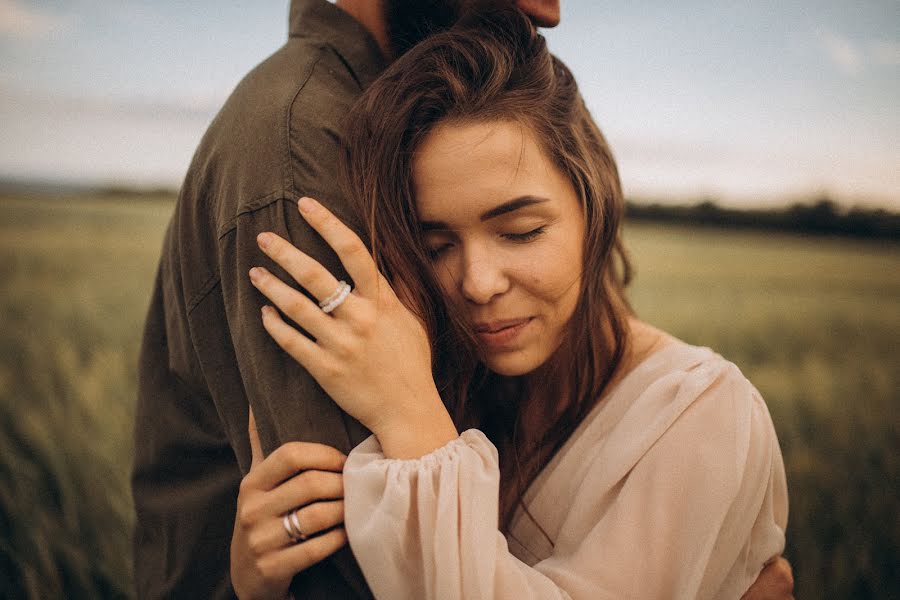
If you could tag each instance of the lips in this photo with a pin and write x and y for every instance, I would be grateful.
(499, 336)
(495, 326)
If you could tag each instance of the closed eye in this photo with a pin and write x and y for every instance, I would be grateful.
(527, 236)
(435, 252)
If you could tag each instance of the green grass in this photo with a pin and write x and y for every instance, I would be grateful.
(814, 323)
(76, 278)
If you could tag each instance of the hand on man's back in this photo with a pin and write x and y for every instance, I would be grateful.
(775, 582)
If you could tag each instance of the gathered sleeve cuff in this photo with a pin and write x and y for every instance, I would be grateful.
(428, 527)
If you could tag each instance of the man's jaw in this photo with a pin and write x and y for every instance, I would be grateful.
(543, 13)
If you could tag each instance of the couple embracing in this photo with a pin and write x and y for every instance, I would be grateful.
(389, 352)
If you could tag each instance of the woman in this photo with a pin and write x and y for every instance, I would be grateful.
(599, 457)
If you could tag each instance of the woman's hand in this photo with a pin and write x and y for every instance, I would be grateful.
(297, 477)
(775, 582)
(370, 354)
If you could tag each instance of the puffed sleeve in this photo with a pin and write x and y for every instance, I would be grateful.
(428, 527)
(696, 515)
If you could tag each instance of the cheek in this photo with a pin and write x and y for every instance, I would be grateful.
(557, 272)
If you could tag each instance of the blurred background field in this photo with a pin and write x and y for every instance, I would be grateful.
(814, 323)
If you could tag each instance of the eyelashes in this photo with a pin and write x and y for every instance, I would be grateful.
(520, 238)
(527, 236)
(435, 253)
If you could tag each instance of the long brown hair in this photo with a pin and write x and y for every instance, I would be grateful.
(494, 66)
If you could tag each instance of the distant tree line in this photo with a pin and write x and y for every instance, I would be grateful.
(822, 217)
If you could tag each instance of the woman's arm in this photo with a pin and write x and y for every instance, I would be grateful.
(697, 516)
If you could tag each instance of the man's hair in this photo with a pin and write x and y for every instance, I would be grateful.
(493, 66)
(411, 21)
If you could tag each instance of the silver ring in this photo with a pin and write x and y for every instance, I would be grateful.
(295, 519)
(336, 298)
(291, 523)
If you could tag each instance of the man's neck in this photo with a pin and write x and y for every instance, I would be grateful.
(370, 13)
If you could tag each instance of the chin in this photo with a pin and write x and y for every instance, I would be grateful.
(511, 366)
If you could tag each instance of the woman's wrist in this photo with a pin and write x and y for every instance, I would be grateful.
(417, 430)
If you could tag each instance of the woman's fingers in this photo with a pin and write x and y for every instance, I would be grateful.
(305, 270)
(350, 249)
(292, 458)
(314, 519)
(256, 452)
(293, 559)
(298, 307)
(306, 487)
(301, 348)
(320, 516)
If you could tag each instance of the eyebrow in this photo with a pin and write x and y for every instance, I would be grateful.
(501, 209)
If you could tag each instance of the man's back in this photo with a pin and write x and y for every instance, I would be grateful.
(205, 355)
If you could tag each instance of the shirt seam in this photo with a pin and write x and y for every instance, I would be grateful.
(213, 280)
(289, 113)
(252, 206)
(205, 289)
(288, 191)
(287, 183)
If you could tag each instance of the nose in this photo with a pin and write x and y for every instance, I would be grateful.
(483, 276)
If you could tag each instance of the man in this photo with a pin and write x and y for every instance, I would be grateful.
(205, 356)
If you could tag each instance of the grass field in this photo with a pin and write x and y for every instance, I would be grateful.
(814, 323)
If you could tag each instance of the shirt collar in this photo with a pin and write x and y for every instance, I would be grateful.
(323, 20)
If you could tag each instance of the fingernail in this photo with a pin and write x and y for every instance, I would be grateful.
(307, 205)
(264, 310)
(255, 274)
(264, 240)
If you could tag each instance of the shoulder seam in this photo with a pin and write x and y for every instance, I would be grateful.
(287, 122)
(287, 183)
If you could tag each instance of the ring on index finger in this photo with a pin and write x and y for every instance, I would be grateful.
(336, 298)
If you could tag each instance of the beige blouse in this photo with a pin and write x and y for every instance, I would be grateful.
(672, 487)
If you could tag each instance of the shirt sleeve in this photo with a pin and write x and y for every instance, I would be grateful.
(185, 477)
(697, 516)
(206, 355)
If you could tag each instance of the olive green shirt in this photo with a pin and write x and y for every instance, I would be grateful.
(205, 355)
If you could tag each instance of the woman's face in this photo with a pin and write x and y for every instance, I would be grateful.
(505, 230)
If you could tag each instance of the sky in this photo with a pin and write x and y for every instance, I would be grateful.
(748, 103)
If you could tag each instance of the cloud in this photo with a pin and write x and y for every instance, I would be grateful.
(852, 57)
(885, 52)
(843, 53)
(23, 22)
(198, 105)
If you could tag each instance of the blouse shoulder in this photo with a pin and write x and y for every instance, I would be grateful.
(685, 408)
(708, 405)
(724, 421)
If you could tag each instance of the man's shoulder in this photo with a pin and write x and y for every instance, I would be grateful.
(278, 131)
(305, 70)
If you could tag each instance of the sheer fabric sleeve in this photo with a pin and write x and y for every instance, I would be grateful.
(428, 527)
(696, 516)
